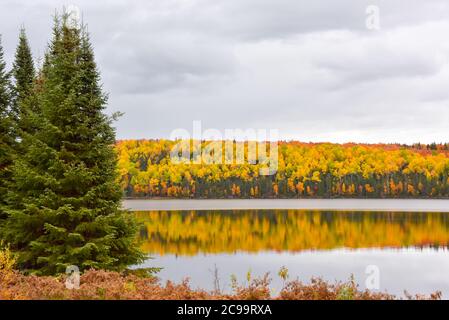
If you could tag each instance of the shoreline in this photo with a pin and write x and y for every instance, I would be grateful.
(404, 205)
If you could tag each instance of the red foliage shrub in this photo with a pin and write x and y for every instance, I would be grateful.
(98, 284)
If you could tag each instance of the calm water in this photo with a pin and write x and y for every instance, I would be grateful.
(409, 249)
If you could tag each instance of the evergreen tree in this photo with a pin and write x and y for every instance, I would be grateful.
(6, 137)
(23, 75)
(65, 207)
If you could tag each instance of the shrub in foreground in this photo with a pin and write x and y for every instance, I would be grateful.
(107, 285)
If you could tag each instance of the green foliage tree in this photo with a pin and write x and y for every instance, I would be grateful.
(6, 137)
(65, 206)
(23, 73)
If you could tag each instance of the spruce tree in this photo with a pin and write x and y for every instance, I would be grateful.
(23, 75)
(6, 137)
(65, 207)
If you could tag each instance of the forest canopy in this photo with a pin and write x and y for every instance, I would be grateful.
(304, 170)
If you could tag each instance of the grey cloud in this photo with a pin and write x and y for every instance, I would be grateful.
(166, 61)
(308, 68)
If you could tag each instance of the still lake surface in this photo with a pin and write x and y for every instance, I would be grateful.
(410, 249)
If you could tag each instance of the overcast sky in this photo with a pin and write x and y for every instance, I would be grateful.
(311, 69)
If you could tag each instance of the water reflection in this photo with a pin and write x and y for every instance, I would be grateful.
(417, 271)
(189, 233)
(410, 249)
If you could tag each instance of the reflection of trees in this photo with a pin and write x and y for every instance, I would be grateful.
(192, 232)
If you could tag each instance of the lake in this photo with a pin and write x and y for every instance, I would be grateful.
(408, 249)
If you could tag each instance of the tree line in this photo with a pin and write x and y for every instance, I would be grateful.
(60, 200)
(319, 170)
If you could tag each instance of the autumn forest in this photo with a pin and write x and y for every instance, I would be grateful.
(315, 170)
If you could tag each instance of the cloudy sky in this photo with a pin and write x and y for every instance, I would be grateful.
(311, 69)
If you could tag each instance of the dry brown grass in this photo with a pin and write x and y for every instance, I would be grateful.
(100, 285)
(107, 285)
